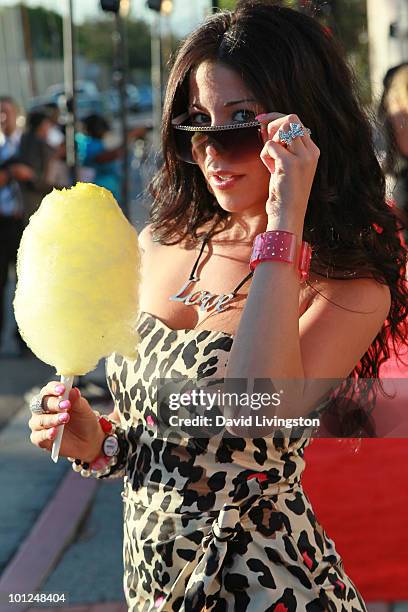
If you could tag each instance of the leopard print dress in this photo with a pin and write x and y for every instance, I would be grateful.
(214, 524)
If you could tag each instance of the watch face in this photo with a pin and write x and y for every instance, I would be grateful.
(110, 446)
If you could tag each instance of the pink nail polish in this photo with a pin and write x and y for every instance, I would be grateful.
(52, 433)
(63, 418)
(64, 404)
(261, 116)
(59, 389)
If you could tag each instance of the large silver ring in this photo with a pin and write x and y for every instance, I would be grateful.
(36, 404)
(285, 138)
(296, 130)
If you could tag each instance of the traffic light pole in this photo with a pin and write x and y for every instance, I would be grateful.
(120, 79)
(156, 76)
(70, 97)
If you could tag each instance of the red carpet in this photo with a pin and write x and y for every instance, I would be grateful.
(361, 499)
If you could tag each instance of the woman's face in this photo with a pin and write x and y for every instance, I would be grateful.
(218, 96)
(8, 118)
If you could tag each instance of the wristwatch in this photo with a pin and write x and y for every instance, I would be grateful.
(110, 446)
(109, 455)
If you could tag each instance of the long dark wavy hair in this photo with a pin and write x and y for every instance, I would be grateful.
(292, 64)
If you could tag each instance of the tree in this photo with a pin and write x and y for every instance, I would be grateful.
(348, 21)
(45, 32)
(94, 39)
(228, 5)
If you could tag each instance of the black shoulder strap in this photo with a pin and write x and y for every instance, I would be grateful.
(244, 280)
(192, 273)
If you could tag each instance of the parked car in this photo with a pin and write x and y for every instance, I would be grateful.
(112, 99)
(137, 99)
(88, 99)
(145, 97)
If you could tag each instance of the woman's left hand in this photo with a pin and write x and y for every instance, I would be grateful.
(292, 169)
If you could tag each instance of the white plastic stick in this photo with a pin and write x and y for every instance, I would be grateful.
(67, 381)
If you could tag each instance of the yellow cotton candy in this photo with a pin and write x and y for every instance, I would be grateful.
(78, 271)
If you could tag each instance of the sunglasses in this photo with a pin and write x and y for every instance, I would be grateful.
(241, 139)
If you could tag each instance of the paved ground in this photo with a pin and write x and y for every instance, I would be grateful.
(89, 562)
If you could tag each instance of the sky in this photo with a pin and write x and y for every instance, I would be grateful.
(186, 13)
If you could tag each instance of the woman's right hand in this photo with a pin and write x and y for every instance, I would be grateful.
(82, 437)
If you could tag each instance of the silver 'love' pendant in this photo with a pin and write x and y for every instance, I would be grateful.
(205, 299)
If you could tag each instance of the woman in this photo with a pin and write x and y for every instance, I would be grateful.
(97, 158)
(93, 154)
(35, 151)
(222, 522)
(393, 113)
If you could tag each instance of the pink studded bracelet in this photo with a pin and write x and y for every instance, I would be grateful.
(280, 245)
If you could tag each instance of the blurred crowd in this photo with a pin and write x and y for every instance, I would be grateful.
(33, 162)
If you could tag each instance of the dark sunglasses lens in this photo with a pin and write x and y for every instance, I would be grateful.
(240, 142)
(183, 145)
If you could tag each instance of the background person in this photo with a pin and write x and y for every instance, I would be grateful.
(393, 112)
(35, 152)
(101, 164)
(12, 176)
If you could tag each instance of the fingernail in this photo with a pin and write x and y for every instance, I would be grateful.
(64, 404)
(59, 389)
(52, 432)
(63, 418)
(261, 116)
